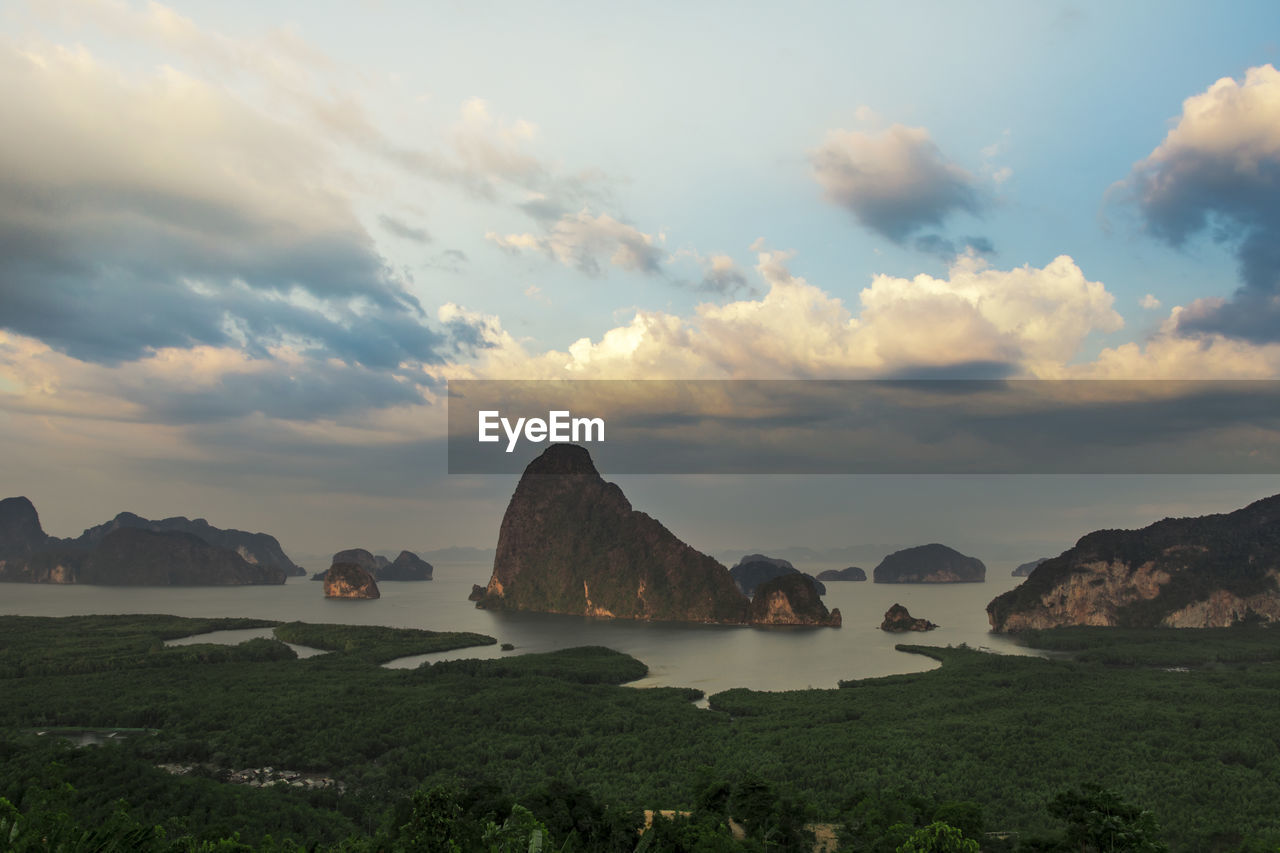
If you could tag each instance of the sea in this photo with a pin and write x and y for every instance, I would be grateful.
(710, 658)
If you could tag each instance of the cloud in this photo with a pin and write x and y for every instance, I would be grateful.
(977, 321)
(1218, 169)
(585, 242)
(939, 246)
(1149, 302)
(722, 275)
(403, 230)
(202, 384)
(591, 242)
(155, 212)
(483, 154)
(1171, 354)
(896, 182)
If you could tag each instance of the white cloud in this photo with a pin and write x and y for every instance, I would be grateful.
(583, 241)
(1149, 302)
(1027, 319)
(1170, 355)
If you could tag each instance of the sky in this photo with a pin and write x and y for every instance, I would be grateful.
(244, 246)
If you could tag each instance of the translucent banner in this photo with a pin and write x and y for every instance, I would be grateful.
(871, 427)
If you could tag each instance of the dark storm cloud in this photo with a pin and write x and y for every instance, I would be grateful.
(114, 290)
(896, 182)
(1218, 170)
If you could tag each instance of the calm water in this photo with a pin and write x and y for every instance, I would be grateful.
(711, 658)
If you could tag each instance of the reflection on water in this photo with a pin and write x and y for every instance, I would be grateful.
(711, 658)
(239, 635)
(92, 737)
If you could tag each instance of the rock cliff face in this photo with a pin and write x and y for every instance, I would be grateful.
(897, 619)
(20, 532)
(755, 569)
(1027, 568)
(1211, 571)
(133, 556)
(791, 599)
(348, 580)
(124, 554)
(27, 553)
(571, 543)
(258, 549)
(853, 573)
(929, 564)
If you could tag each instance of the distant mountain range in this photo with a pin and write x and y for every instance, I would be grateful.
(132, 550)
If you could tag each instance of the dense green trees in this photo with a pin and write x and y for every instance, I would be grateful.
(984, 745)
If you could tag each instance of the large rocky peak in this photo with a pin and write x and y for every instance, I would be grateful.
(929, 564)
(571, 543)
(1210, 571)
(20, 530)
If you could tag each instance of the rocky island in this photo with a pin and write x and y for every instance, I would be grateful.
(791, 599)
(348, 580)
(571, 543)
(131, 550)
(1210, 571)
(898, 619)
(407, 566)
(929, 564)
(754, 569)
(853, 573)
(1026, 569)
